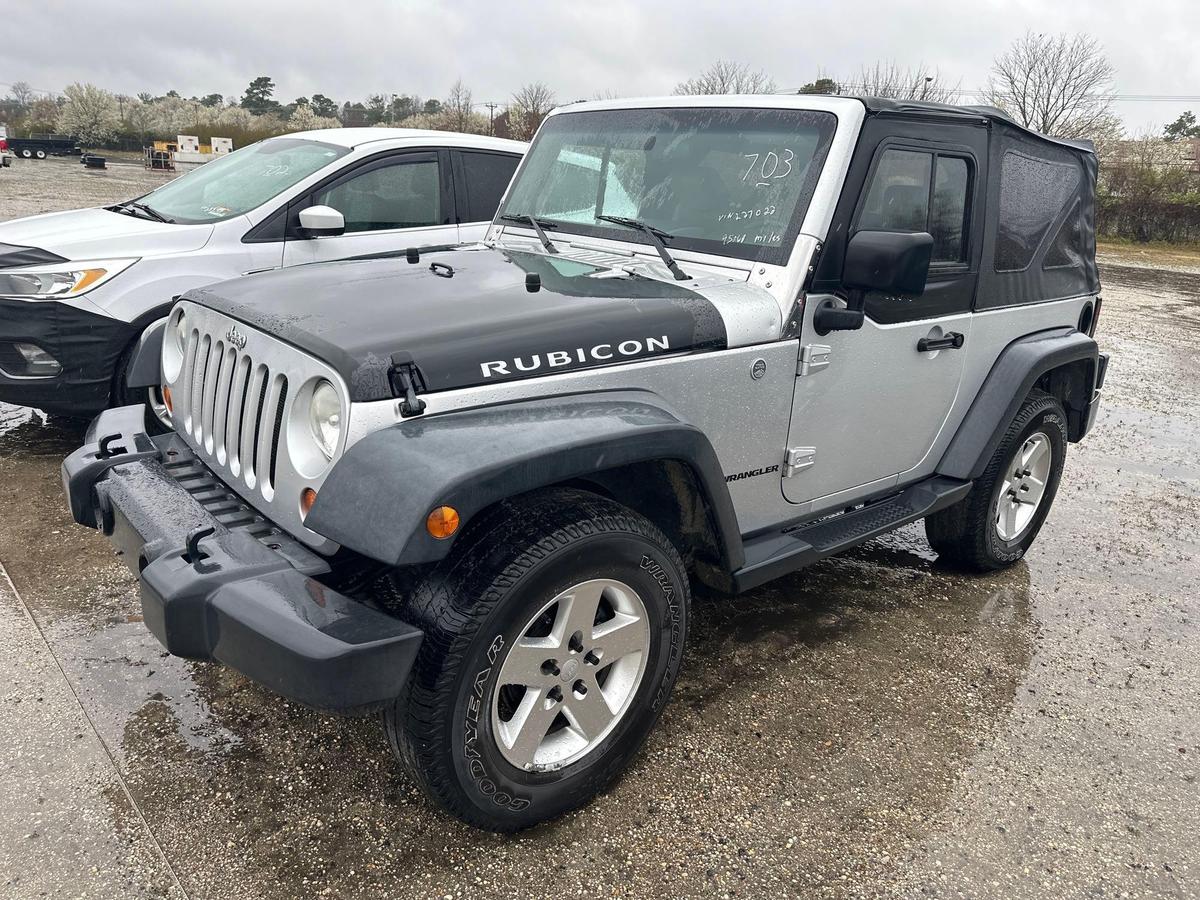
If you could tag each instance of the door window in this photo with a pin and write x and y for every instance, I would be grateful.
(487, 175)
(401, 195)
(916, 190)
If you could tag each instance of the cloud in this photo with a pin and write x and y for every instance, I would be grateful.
(357, 47)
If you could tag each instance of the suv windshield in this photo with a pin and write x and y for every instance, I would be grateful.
(241, 181)
(734, 182)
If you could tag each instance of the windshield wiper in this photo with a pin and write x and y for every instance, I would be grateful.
(656, 236)
(129, 205)
(537, 226)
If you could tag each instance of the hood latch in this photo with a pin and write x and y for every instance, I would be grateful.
(407, 382)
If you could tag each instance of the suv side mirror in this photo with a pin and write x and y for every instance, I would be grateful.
(322, 221)
(891, 262)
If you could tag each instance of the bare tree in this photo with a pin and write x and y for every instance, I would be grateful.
(458, 107)
(528, 107)
(726, 77)
(1056, 84)
(43, 116)
(21, 94)
(889, 79)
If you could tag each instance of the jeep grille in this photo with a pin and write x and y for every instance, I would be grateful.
(230, 403)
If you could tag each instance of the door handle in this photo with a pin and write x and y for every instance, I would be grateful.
(951, 340)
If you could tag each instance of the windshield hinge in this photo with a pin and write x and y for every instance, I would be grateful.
(813, 358)
(406, 383)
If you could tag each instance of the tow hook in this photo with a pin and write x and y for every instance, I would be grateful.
(107, 450)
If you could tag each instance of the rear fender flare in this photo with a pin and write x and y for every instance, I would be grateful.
(1015, 373)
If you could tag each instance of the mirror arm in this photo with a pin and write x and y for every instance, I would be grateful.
(827, 317)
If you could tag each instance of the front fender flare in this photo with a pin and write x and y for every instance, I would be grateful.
(377, 498)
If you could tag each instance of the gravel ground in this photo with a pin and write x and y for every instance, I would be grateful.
(874, 726)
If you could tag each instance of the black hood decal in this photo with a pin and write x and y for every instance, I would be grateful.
(13, 255)
(468, 317)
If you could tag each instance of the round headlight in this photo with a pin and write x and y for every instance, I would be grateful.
(325, 416)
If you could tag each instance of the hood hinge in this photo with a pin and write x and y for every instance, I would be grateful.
(406, 383)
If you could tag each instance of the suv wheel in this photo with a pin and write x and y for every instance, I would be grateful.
(553, 636)
(999, 519)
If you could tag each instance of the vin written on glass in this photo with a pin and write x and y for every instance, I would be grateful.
(767, 167)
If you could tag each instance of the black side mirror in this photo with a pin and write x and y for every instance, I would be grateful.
(891, 262)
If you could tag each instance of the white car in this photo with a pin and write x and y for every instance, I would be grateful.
(78, 288)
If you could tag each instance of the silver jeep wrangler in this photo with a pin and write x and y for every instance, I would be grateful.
(706, 340)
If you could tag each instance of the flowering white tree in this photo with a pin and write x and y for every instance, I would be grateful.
(90, 114)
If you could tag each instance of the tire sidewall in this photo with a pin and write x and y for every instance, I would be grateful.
(491, 782)
(1052, 423)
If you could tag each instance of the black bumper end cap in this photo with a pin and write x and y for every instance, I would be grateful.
(282, 629)
(123, 440)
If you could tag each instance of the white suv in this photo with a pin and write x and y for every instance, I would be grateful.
(78, 288)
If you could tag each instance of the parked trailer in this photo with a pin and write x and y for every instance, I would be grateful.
(42, 146)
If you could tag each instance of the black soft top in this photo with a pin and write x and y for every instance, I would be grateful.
(1038, 237)
(981, 115)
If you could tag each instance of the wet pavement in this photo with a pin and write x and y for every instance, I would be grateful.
(874, 726)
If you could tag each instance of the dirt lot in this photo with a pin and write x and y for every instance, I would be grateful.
(875, 726)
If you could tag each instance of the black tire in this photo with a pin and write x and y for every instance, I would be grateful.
(507, 566)
(966, 534)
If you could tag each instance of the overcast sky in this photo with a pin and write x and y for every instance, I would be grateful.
(352, 48)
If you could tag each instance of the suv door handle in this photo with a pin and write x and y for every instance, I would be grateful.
(951, 340)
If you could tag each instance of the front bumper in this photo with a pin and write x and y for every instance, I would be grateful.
(216, 586)
(86, 345)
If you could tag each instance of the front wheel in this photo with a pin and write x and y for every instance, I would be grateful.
(1003, 513)
(553, 637)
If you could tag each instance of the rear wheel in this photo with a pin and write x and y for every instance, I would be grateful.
(40, 154)
(1001, 517)
(553, 636)
(26, 153)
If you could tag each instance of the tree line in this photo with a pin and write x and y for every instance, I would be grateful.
(100, 118)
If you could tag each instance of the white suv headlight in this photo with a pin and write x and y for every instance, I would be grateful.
(325, 417)
(60, 280)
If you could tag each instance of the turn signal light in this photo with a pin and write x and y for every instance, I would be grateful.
(167, 402)
(307, 498)
(442, 522)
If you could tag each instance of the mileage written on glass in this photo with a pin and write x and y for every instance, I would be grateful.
(724, 180)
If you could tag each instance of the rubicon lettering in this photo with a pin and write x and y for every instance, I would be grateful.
(557, 359)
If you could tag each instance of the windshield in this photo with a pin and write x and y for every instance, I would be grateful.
(734, 182)
(241, 181)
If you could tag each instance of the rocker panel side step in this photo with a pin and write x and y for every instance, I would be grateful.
(780, 552)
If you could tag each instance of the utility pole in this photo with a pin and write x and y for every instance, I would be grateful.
(491, 117)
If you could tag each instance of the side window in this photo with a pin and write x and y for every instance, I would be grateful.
(916, 190)
(1032, 194)
(898, 197)
(947, 224)
(487, 175)
(401, 195)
